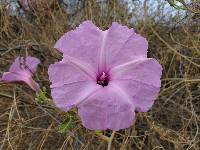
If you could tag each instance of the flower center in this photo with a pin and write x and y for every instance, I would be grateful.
(103, 79)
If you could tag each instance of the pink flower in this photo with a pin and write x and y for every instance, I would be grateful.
(22, 69)
(105, 74)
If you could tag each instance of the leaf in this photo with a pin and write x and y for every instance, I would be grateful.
(173, 4)
(66, 125)
(42, 96)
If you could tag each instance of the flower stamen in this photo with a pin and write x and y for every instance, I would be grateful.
(103, 79)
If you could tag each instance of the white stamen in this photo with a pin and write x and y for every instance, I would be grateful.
(103, 76)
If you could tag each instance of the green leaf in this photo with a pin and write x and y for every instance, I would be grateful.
(42, 96)
(66, 125)
(173, 4)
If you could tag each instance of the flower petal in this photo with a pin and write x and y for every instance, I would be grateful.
(68, 71)
(144, 70)
(141, 80)
(28, 63)
(107, 108)
(102, 49)
(122, 44)
(20, 76)
(70, 84)
(22, 69)
(142, 95)
(83, 43)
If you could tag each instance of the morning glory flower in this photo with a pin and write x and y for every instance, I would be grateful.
(105, 74)
(22, 70)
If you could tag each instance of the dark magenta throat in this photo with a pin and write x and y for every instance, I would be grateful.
(103, 79)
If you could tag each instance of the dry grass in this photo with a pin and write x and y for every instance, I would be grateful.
(172, 123)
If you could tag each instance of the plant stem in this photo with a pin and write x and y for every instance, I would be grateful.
(110, 140)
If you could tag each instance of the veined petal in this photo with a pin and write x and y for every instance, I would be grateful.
(28, 63)
(141, 80)
(82, 66)
(107, 108)
(70, 95)
(22, 69)
(69, 71)
(70, 84)
(83, 43)
(142, 94)
(102, 49)
(121, 45)
(21, 76)
(144, 70)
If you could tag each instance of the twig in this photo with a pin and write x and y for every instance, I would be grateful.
(17, 48)
(102, 136)
(172, 49)
(110, 140)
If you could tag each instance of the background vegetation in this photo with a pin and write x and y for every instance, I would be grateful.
(174, 40)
